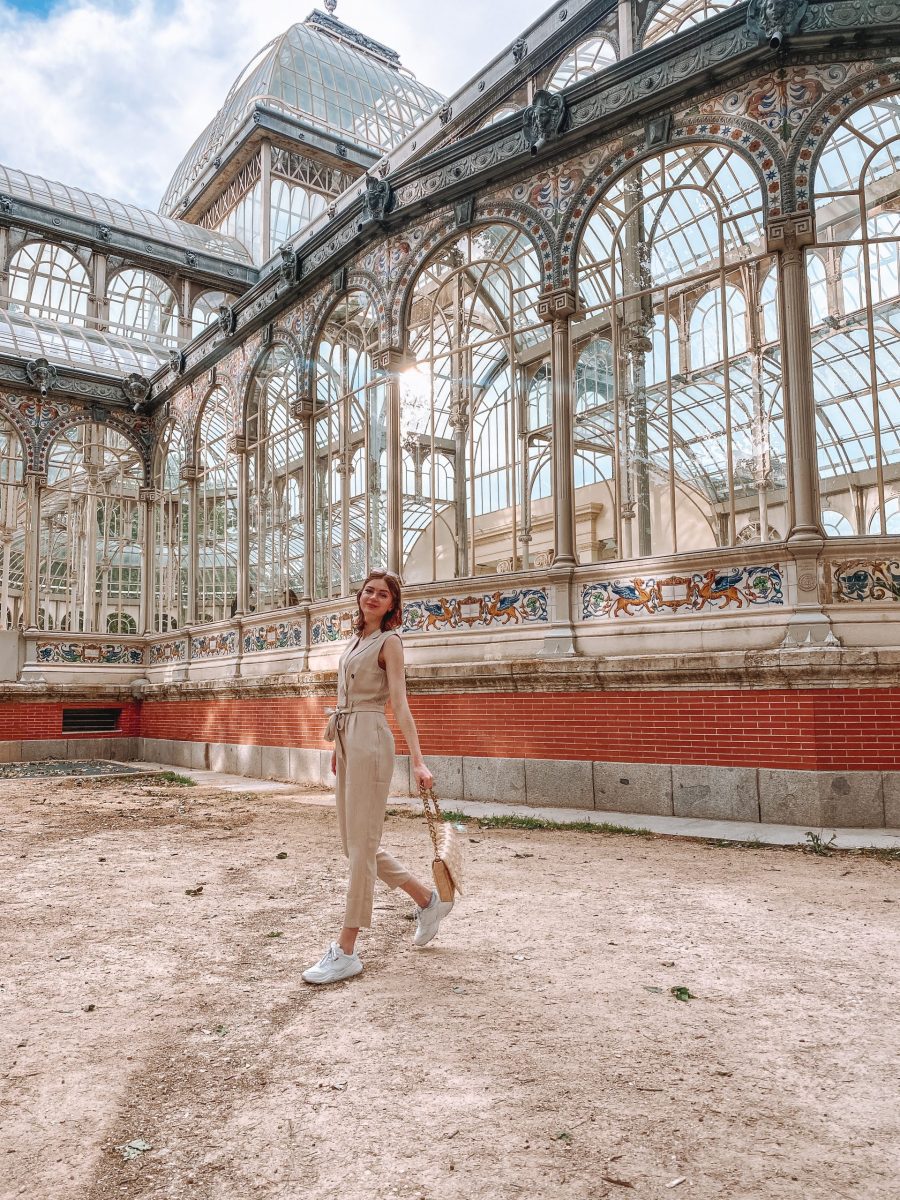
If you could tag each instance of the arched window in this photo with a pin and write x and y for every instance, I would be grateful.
(351, 435)
(275, 482)
(681, 449)
(46, 280)
(889, 517)
(120, 622)
(216, 493)
(143, 306)
(205, 310)
(293, 207)
(12, 525)
(672, 16)
(836, 524)
(171, 532)
(712, 339)
(856, 367)
(91, 540)
(594, 54)
(472, 318)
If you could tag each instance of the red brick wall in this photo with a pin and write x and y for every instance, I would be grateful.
(816, 729)
(29, 721)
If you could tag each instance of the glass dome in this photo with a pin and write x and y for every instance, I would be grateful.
(328, 74)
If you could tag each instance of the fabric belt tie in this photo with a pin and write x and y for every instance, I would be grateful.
(336, 717)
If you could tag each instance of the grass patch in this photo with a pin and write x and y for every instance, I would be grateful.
(176, 779)
(515, 822)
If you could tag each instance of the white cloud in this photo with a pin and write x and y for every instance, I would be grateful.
(109, 96)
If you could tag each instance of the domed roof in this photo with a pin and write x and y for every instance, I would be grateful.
(327, 73)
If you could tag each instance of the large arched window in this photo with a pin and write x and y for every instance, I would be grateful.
(275, 483)
(171, 532)
(594, 54)
(46, 280)
(351, 436)
(856, 362)
(216, 511)
(472, 328)
(205, 310)
(672, 16)
(679, 427)
(143, 306)
(91, 535)
(293, 207)
(12, 525)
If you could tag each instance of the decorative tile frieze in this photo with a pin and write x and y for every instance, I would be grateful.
(521, 606)
(214, 645)
(274, 635)
(860, 580)
(332, 627)
(86, 654)
(709, 591)
(166, 653)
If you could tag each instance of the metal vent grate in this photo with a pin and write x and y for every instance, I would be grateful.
(90, 720)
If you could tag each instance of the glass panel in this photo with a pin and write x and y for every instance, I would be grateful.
(216, 512)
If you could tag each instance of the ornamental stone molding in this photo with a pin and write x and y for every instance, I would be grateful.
(136, 388)
(289, 269)
(544, 120)
(42, 374)
(379, 199)
(775, 20)
(558, 304)
(227, 320)
(177, 361)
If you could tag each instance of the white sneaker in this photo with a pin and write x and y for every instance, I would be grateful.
(333, 966)
(429, 918)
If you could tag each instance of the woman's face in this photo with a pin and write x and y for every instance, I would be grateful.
(375, 600)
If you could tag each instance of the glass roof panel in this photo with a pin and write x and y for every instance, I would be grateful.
(71, 346)
(141, 221)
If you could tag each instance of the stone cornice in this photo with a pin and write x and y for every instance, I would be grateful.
(80, 385)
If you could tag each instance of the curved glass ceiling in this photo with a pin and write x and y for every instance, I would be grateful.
(142, 221)
(71, 346)
(310, 73)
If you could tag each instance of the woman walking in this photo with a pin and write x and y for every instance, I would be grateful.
(371, 671)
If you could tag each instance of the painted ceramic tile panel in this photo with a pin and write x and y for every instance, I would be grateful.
(523, 606)
(867, 579)
(214, 645)
(700, 591)
(277, 635)
(90, 654)
(332, 627)
(168, 652)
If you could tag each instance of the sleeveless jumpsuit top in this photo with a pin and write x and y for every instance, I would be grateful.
(358, 726)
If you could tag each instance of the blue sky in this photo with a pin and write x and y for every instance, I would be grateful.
(108, 95)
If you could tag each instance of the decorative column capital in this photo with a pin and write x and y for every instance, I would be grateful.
(559, 304)
(149, 495)
(189, 473)
(791, 233)
(237, 444)
(301, 407)
(37, 478)
(390, 361)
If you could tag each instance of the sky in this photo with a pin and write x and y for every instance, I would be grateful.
(108, 95)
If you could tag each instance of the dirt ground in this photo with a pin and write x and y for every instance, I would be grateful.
(534, 1051)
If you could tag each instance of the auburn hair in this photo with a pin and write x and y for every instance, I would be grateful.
(394, 615)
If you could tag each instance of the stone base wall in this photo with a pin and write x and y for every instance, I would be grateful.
(854, 799)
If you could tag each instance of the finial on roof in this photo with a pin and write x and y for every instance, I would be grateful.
(331, 5)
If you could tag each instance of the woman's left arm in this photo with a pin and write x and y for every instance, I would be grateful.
(392, 653)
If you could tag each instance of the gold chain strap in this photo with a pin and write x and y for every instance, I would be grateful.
(429, 800)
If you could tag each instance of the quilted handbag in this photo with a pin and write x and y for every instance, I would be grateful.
(447, 864)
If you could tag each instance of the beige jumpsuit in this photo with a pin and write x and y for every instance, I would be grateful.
(364, 749)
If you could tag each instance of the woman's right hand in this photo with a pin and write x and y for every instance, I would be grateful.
(334, 762)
